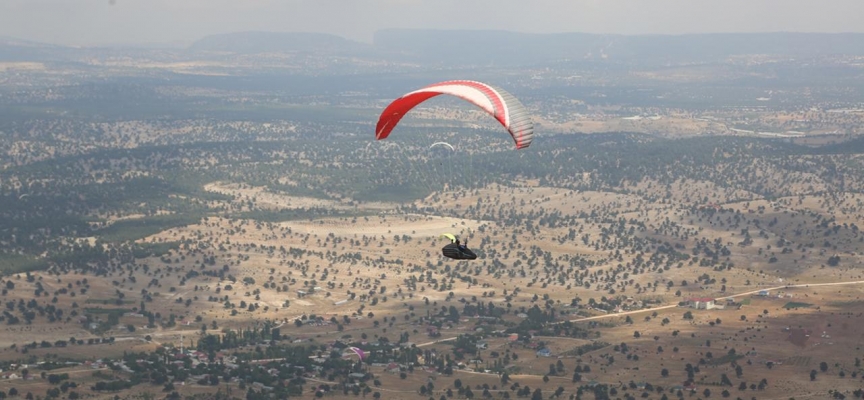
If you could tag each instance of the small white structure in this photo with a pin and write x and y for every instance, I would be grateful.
(703, 303)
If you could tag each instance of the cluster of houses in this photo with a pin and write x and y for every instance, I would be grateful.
(180, 358)
(15, 370)
(10, 375)
(708, 303)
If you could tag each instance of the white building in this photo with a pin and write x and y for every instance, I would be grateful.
(703, 303)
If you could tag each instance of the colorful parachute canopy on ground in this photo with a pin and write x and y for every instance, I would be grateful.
(495, 101)
(355, 351)
(449, 236)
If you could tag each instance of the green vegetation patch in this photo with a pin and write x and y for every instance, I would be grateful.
(16, 263)
(585, 348)
(114, 386)
(394, 193)
(795, 304)
(726, 359)
(144, 250)
(134, 229)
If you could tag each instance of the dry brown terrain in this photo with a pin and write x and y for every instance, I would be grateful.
(387, 250)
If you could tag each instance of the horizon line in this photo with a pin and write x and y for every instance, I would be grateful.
(179, 44)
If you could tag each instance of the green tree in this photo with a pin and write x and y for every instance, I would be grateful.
(537, 395)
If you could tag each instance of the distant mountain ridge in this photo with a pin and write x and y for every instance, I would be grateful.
(525, 48)
(267, 42)
(12, 41)
(14, 49)
(490, 47)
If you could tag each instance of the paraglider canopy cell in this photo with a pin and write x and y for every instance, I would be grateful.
(450, 236)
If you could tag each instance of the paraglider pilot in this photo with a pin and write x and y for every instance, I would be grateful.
(457, 250)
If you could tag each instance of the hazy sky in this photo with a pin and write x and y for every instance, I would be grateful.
(156, 21)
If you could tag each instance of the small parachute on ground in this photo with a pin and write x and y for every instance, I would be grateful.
(352, 352)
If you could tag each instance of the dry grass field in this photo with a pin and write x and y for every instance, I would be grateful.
(362, 267)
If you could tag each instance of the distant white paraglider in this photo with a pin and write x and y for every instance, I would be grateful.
(443, 144)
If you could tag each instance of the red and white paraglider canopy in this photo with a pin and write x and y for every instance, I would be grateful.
(495, 101)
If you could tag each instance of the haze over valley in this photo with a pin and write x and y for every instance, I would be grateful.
(218, 221)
